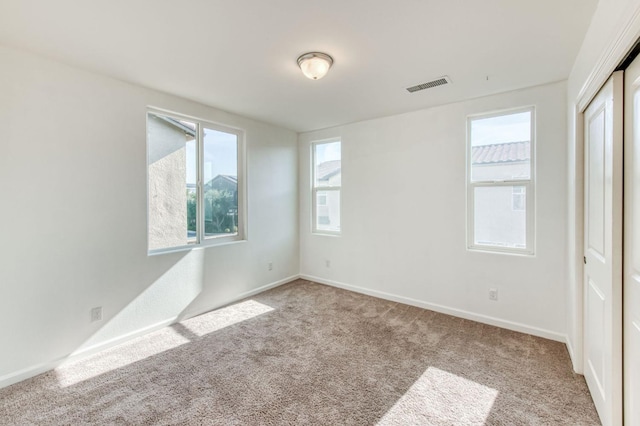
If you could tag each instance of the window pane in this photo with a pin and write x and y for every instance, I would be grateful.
(496, 221)
(220, 172)
(327, 164)
(328, 214)
(171, 168)
(501, 147)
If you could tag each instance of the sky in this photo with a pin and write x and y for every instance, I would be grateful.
(501, 129)
(327, 152)
(220, 156)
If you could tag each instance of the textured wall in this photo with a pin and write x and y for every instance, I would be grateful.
(167, 185)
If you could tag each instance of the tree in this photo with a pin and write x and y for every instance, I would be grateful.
(192, 208)
(220, 211)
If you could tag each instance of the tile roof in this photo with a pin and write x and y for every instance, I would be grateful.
(501, 153)
(327, 169)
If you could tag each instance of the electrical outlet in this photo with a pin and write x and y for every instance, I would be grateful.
(327, 263)
(96, 314)
(493, 294)
(270, 266)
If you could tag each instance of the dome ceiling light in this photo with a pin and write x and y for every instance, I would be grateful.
(315, 65)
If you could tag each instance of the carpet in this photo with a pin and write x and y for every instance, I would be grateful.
(305, 353)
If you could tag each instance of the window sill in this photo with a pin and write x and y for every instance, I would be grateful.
(499, 250)
(326, 234)
(193, 247)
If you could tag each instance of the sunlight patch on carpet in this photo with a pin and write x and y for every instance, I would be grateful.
(118, 357)
(225, 317)
(442, 397)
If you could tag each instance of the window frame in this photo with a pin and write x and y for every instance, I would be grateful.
(201, 241)
(315, 189)
(528, 184)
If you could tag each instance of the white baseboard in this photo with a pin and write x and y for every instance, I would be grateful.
(26, 373)
(242, 296)
(577, 364)
(485, 319)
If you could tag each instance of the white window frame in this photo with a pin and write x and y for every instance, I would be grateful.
(529, 185)
(315, 189)
(201, 240)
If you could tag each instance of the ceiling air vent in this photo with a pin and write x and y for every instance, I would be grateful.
(429, 84)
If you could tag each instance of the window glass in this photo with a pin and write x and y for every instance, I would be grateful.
(496, 223)
(220, 170)
(328, 164)
(171, 147)
(327, 181)
(328, 214)
(500, 182)
(501, 147)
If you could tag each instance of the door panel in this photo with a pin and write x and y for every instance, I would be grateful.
(603, 250)
(597, 336)
(631, 308)
(596, 182)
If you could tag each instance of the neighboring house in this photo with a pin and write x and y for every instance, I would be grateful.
(224, 183)
(329, 173)
(500, 213)
(167, 175)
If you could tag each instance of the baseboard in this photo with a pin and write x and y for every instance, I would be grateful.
(26, 373)
(485, 319)
(572, 356)
(242, 296)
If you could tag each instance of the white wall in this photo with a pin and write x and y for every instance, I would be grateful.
(403, 216)
(73, 216)
(615, 26)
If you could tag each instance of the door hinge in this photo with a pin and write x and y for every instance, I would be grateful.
(585, 260)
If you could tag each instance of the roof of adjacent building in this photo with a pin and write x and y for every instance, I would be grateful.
(501, 153)
(186, 127)
(327, 169)
(233, 180)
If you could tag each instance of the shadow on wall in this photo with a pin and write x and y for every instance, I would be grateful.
(159, 304)
(306, 353)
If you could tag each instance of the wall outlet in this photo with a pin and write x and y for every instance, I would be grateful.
(327, 263)
(493, 294)
(270, 266)
(96, 314)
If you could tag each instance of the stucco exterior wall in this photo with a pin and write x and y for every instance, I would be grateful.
(167, 184)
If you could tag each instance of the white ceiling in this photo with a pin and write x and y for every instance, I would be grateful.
(240, 55)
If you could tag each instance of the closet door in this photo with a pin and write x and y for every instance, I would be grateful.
(603, 250)
(631, 286)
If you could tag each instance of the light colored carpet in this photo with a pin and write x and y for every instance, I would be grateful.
(305, 353)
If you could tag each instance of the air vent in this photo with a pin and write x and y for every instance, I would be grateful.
(428, 85)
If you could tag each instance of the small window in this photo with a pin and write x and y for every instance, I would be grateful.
(327, 181)
(194, 182)
(500, 184)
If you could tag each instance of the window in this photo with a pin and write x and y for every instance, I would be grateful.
(327, 180)
(500, 181)
(194, 181)
(518, 200)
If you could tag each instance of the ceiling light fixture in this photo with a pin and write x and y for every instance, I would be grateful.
(315, 65)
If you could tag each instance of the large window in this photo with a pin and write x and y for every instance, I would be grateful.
(194, 183)
(500, 181)
(327, 180)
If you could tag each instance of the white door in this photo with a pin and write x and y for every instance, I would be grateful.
(603, 250)
(631, 288)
